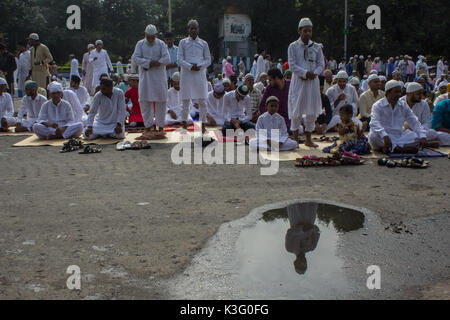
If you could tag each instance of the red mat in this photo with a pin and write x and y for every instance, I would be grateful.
(194, 127)
(221, 138)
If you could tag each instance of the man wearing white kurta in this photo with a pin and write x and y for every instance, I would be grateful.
(260, 65)
(215, 107)
(81, 92)
(388, 117)
(88, 69)
(194, 58)
(74, 66)
(306, 63)
(339, 95)
(439, 68)
(101, 63)
(152, 57)
(78, 111)
(31, 107)
(238, 110)
(174, 103)
(119, 67)
(421, 109)
(6, 107)
(108, 112)
(56, 119)
(23, 67)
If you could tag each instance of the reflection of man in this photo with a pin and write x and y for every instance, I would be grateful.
(303, 235)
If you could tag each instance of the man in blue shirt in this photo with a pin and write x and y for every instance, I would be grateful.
(173, 52)
(390, 68)
(440, 121)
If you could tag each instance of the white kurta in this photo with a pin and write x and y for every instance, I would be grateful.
(386, 121)
(351, 97)
(82, 95)
(107, 112)
(264, 131)
(74, 68)
(23, 69)
(175, 104)
(88, 67)
(234, 109)
(7, 109)
(215, 108)
(78, 111)
(31, 108)
(153, 81)
(193, 84)
(61, 114)
(101, 65)
(439, 70)
(304, 95)
(119, 67)
(260, 67)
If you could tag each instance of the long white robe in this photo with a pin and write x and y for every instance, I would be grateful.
(101, 65)
(78, 111)
(106, 113)
(88, 67)
(260, 67)
(7, 109)
(351, 97)
(119, 67)
(31, 108)
(439, 69)
(23, 68)
(264, 131)
(153, 81)
(386, 121)
(175, 104)
(304, 95)
(193, 84)
(74, 68)
(234, 109)
(215, 108)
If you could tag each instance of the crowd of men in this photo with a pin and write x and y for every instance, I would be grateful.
(400, 104)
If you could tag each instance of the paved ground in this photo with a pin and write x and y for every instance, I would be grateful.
(132, 220)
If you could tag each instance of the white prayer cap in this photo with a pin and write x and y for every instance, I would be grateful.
(256, 56)
(342, 75)
(443, 84)
(55, 87)
(90, 45)
(249, 76)
(133, 77)
(305, 22)
(98, 42)
(226, 80)
(383, 78)
(34, 36)
(365, 76)
(402, 84)
(3, 81)
(272, 98)
(151, 30)
(263, 74)
(361, 57)
(176, 76)
(193, 23)
(395, 71)
(373, 77)
(218, 88)
(355, 80)
(413, 87)
(373, 72)
(392, 84)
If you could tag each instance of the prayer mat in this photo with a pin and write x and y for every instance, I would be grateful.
(424, 153)
(11, 133)
(34, 141)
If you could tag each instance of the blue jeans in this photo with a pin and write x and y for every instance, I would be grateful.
(244, 126)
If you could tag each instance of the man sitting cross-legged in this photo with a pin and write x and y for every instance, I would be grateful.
(108, 112)
(56, 119)
(31, 107)
(238, 110)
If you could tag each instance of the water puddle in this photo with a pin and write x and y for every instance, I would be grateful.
(293, 250)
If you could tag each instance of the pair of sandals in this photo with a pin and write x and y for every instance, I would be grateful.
(415, 163)
(326, 139)
(138, 145)
(347, 158)
(71, 146)
(153, 135)
(90, 149)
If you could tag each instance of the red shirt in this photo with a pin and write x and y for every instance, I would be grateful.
(133, 95)
(286, 66)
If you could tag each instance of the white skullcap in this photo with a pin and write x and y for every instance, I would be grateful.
(176, 76)
(249, 76)
(361, 57)
(443, 84)
(34, 36)
(402, 84)
(263, 74)
(90, 45)
(373, 72)
(342, 75)
(382, 78)
(373, 77)
(305, 22)
(3, 81)
(193, 22)
(226, 80)
(133, 76)
(365, 76)
(98, 42)
(218, 87)
(55, 87)
(392, 84)
(151, 30)
(413, 87)
(355, 80)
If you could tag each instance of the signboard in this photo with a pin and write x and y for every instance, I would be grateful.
(237, 27)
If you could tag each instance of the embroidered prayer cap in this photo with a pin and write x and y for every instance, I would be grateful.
(413, 87)
(383, 78)
(31, 85)
(55, 87)
(98, 42)
(392, 84)
(249, 76)
(305, 22)
(373, 77)
(218, 88)
(263, 74)
(151, 30)
(176, 76)
(443, 84)
(90, 45)
(272, 98)
(355, 80)
(34, 36)
(242, 90)
(342, 75)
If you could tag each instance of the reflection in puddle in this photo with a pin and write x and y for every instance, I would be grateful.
(292, 252)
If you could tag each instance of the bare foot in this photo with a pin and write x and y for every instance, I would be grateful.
(203, 128)
(51, 137)
(433, 144)
(4, 125)
(311, 144)
(20, 128)
(409, 150)
(318, 129)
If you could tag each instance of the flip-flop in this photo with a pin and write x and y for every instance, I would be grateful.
(122, 146)
(90, 149)
(140, 145)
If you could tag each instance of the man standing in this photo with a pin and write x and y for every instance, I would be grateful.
(87, 69)
(254, 66)
(439, 69)
(119, 67)
(307, 63)
(360, 66)
(194, 58)
(40, 58)
(23, 67)
(410, 70)
(255, 96)
(172, 67)
(152, 57)
(388, 117)
(73, 66)
(390, 68)
(402, 67)
(101, 63)
(260, 65)
(229, 68)
(332, 65)
(368, 64)
(8, 66)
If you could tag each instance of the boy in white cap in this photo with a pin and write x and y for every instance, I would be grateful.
(306, 62)
(388, 117)
(152, 57)
(175, 104)
(266, 136)
(194, 58)
(101, 63)
(31, 107)
(6, 107)
(56, 119)
(421, 109)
